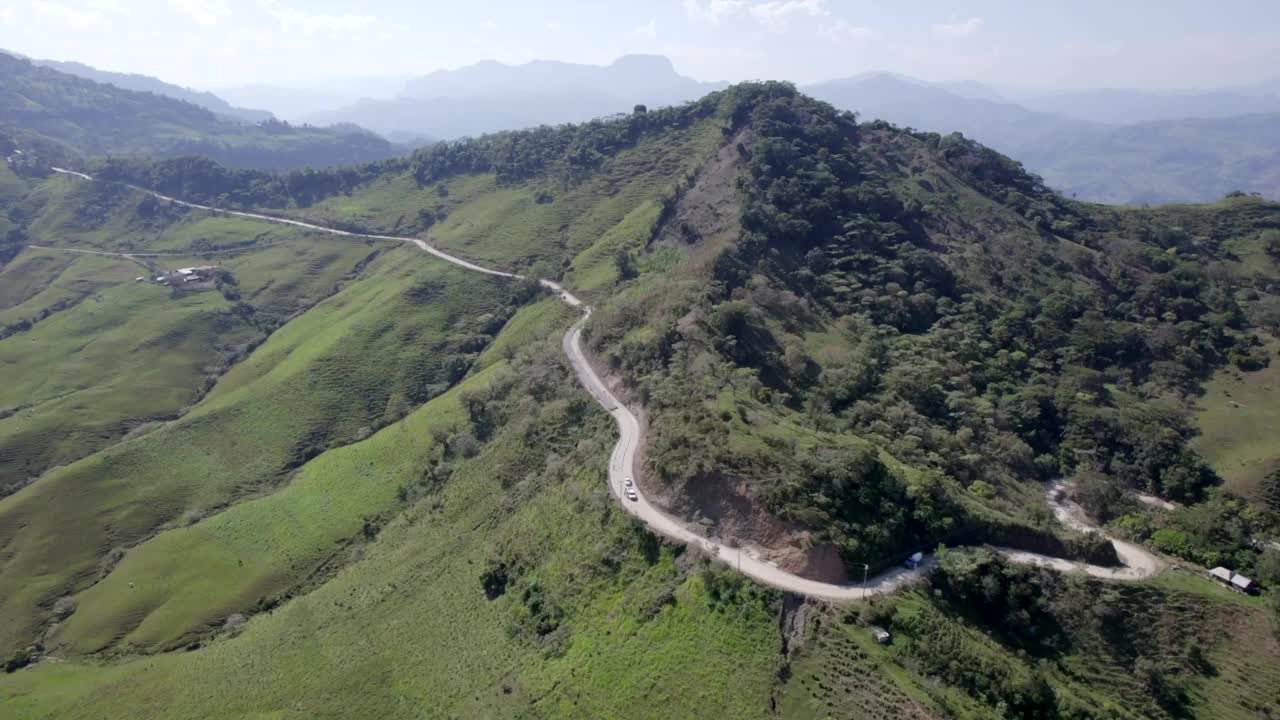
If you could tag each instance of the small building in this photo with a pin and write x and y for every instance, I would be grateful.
(1236, 582)
(881, 635)
(1221, 574)
(1243, 584)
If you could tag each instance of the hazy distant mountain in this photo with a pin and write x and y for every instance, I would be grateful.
(146, 83)
(926, 106)
(296, 102)
(453, 117)
(490, 96)
(972, 89)
(1185, 160)
(1266, 87)
(1196, 159)
(1125, 107)
(650, 77)
(63, 115)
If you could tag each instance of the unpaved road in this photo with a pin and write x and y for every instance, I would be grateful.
(1138, 562)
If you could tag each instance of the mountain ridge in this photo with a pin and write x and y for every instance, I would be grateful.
(491, 96)
(145, 83)
(70, 115)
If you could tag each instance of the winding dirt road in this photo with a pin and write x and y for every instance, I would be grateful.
(1138, 563)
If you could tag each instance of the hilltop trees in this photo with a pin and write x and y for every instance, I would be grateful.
(994, 332)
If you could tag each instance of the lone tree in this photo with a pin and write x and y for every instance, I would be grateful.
(640, 109)
(625, 264)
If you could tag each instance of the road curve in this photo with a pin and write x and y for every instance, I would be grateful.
(1138, 563)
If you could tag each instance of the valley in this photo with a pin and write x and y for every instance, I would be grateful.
(819, 346)
(1139, 563)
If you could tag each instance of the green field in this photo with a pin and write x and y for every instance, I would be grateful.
(406, 629)
(359, 360)
(536, 222)
(125, 356)
(1239, 421)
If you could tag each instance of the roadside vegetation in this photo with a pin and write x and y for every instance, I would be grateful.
(984, 638)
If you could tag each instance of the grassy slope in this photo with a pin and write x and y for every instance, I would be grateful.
(406, 630)
(348, 366)
(1239, 421)
(85, 376)
(506, 226)
(39, 282)
(266, 546)
(1239, 440)
(105, 354)
(11, 186)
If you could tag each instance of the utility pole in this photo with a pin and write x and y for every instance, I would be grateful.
(865, 569)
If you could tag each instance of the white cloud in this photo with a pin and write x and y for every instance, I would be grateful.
(110, 6)
(775, 14)
(712, 11)
(648, 31)
(204, 12)
(958, 28)
(555, 25)
(64, 14)
(489, 26)
(844, 31)
(293, 20)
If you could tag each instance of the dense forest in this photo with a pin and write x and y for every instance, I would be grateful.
(989, 333)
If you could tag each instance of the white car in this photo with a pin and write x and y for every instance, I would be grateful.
(631, 495)
(627, 482)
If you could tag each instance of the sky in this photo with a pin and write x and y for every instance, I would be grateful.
(1154, 44)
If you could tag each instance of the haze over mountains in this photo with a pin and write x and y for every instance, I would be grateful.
(67, 116)
(1123, 146)
(1107, 145)
(298, 102)
(1174, 157)
(145, 83)
(1126, 106)
(490, 96)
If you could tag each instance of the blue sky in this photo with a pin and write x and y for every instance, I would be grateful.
(1084, 43)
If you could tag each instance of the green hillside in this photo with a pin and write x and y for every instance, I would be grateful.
(108, 355)
(60, 114)
(851, 342)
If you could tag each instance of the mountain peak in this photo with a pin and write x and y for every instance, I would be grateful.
(649, 63)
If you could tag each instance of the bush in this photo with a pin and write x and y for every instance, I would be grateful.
(982, 489)
(1174, 542)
